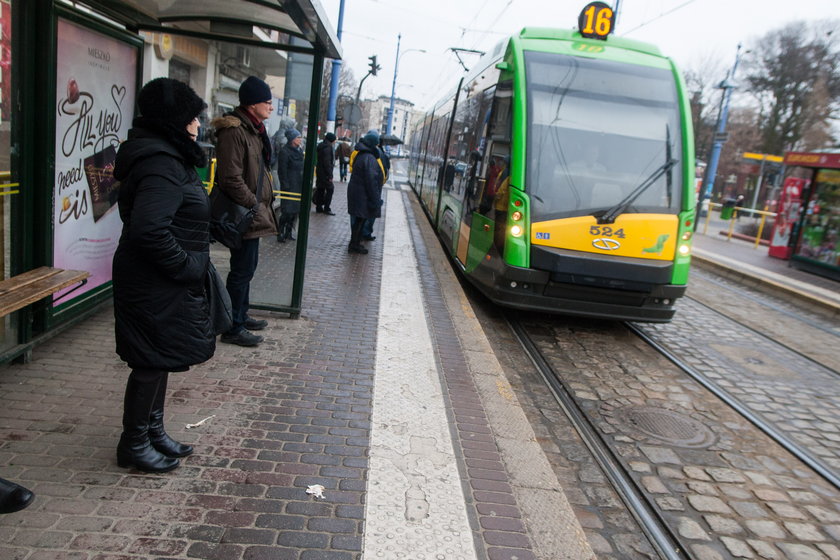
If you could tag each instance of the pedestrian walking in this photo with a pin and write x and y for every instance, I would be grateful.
(243, 162)
(364, 191)
(324, 175)
(290, 176)
(162, 321)
(342, 154)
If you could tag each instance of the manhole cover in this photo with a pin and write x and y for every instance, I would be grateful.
(667, 425)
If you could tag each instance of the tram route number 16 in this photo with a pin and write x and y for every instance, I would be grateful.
(607, 231)
(596, 21)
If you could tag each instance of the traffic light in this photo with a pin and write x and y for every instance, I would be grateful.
(373, 65)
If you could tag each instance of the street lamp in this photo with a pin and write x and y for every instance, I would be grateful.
(394, 83)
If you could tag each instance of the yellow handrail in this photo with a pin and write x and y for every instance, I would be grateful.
(764, 215)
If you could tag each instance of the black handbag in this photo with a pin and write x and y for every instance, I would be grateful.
(221, 311)
(228, 220)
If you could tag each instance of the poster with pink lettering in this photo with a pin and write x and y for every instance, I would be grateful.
(95, 89)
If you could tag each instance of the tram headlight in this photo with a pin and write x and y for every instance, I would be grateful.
(516, 216)
(684, 249)
(516, 231)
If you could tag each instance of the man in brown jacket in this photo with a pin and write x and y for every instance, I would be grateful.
(243, 157)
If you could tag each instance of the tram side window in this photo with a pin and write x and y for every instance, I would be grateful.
(497, 153)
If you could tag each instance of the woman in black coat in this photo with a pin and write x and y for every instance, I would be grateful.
(364, 191)
(160, 265)
(290, 177)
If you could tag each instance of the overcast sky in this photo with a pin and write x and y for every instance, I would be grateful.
(687, 30)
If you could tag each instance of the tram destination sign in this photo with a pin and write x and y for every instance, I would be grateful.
(596, 21)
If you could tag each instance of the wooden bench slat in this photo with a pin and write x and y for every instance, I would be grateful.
(26, 278)
(32, 291)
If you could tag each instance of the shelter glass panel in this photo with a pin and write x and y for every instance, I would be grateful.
(10, 187)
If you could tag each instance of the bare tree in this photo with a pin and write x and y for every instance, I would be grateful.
(346, 91)
(701, 79)
(794, 74)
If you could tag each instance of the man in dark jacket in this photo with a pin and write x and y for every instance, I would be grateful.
(243, 162)
(290, 177)
(364, 191)
(324, 175)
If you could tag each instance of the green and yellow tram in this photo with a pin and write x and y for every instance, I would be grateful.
(560, 174)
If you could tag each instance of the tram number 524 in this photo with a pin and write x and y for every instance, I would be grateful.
(596, 20)
(606, 231)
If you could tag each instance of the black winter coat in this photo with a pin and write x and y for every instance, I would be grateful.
(364, 191)
(160, 307)
(290, 176)
(326, 164)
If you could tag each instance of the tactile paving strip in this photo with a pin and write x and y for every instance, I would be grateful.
(415, 503)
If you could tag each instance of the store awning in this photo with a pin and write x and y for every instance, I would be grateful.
(231, 20)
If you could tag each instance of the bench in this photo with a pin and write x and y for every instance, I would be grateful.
(34, 285)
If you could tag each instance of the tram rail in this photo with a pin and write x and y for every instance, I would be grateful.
(658, 532)
(768, 428)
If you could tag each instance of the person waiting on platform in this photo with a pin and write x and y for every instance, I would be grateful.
(290, 176)
(162, 319)
(243, 156)
(324, 187)
(364, 191)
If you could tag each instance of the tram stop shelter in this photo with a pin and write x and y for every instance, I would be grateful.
(71, 70)
(815, 240)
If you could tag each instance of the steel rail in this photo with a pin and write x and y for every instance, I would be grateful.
(776, 435)
(654, 527)
(763, 301)
(771, 339)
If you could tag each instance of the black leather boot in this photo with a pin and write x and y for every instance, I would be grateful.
(135, 448)
(13, 497)
(157, 434)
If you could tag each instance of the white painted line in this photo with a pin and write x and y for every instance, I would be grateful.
(415, 503)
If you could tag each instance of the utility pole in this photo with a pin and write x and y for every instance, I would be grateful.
(334, 77)
(727, 85)
(393, 87)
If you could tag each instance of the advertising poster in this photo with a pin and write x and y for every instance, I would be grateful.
(95, 89)
(787, 214)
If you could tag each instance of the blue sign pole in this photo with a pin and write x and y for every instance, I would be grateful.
(334, 77)
(727, 85)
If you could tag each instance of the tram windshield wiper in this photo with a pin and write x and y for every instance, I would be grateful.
(610, 215)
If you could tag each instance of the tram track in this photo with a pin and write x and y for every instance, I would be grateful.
(767, 428)
(774, 340)
(563, 365)
(656, 529)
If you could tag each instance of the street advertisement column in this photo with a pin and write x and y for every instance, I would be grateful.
(95, 87)
(787, 215)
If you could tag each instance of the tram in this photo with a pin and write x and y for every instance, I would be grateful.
(559, 174)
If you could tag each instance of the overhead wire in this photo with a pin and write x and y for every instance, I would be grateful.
(660, 16)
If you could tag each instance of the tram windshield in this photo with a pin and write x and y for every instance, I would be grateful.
(599, 130)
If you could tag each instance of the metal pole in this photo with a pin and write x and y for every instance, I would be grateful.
(758, 182)
(393, 88)
(727, 85)
(336, 74)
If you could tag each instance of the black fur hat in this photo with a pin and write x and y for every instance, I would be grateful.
(171, 101)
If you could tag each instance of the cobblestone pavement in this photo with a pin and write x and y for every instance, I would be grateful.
(726, 489)
(798, 396)
(806, 331)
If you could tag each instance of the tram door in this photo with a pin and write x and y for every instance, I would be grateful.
(485, 216)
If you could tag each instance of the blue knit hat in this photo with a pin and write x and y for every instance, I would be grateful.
(253, 90)
(291, 134)
(371, 139)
